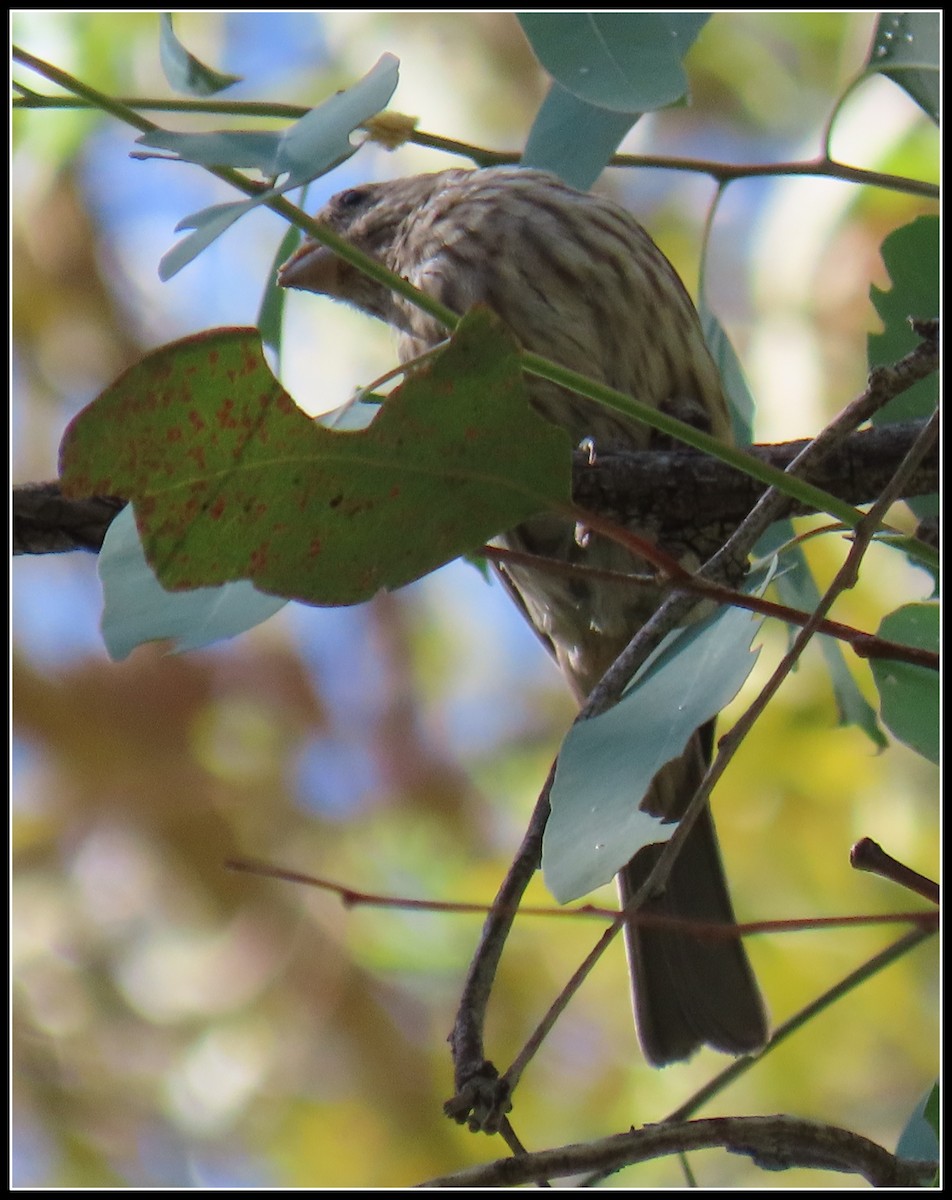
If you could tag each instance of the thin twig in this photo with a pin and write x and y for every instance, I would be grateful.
(822, 166)
(902, 946)
(865, 645)
(868, 855)
(355, 898)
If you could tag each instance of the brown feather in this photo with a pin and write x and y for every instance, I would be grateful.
(577, 279)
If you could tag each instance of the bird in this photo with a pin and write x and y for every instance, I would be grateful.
(575, 278)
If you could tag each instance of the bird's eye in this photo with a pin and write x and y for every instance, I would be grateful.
(352, 198)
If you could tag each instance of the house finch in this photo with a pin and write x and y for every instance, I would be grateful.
(578, 280)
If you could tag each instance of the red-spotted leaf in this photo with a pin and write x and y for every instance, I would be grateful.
(230, 480)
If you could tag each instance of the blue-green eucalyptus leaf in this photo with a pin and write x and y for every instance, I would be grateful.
(628, 62)
(606, 764)
(183, 70)
(137, 609)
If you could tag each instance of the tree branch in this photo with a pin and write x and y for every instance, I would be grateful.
(46, 522)
(664, 490)
(660, 490)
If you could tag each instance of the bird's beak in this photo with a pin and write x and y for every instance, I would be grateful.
(312, 268)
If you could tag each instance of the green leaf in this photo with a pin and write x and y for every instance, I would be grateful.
(137, 609)
(623, 61)
(270, 320)
(906, 50)
(735, 384)
(931, 1109)
(183, 71)
(230, 480)
(574, 139)
(606, 764)
(797, 588)
(911, 256)
(909, 696)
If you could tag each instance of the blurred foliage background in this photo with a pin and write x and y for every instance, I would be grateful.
(177, 1024)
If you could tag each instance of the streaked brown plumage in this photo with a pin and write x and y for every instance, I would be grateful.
(578, 280)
